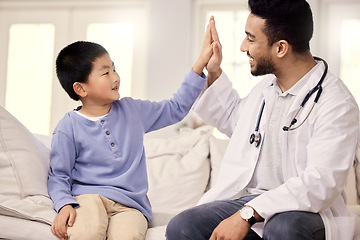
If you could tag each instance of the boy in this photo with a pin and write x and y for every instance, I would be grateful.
(97, 178)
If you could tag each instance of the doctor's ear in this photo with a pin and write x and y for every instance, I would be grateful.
(282, 47)
(79, 89)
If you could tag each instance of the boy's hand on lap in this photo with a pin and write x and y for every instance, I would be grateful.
(65, 216)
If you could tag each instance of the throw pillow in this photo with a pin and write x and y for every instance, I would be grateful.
(24, 166)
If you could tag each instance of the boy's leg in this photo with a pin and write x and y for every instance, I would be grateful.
(199, 222)
(91, 219)
(125, 223)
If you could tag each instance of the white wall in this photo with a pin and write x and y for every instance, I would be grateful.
(169, 37)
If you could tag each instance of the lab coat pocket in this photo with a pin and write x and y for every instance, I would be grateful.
(295, 143)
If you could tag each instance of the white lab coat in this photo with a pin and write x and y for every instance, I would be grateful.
(316, 158)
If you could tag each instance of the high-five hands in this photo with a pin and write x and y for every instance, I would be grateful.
(211, 54)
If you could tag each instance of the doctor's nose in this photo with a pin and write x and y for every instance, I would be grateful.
(244, 46)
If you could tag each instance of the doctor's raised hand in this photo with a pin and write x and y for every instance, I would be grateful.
(211, 55)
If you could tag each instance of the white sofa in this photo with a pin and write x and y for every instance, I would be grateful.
(180, 170)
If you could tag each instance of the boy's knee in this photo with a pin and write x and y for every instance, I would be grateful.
(87, 233)
(128, 235)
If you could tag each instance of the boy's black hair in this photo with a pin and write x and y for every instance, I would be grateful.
(75, 63)
(289, 20)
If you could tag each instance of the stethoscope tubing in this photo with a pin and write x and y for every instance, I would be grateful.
(256, 136)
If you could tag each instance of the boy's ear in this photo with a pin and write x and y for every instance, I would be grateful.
(79, 89)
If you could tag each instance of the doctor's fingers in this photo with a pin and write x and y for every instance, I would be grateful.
(214, 33)
(217, 49)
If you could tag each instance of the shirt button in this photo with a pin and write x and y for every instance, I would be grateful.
(112, 144)
(107, 132)
(102, 121)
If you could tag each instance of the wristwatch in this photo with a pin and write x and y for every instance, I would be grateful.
(248, 214)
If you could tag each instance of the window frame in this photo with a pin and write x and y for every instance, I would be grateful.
(60, 14)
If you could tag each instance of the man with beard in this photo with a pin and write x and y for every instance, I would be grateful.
(292, 139)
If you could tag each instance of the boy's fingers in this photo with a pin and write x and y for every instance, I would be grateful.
(72, 219)
(208, 34)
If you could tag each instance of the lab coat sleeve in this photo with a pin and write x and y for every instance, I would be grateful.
(219, 105)
(318, 180)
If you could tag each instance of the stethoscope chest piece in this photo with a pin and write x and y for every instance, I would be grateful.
(255, 138)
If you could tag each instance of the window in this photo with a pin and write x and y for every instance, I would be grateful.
(29, 74)
(350, 55)
(117, 39)
(342, 43)
(231, 29)
(33, 36)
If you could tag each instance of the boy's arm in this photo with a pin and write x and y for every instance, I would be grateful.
(158, 115)
(62, 160)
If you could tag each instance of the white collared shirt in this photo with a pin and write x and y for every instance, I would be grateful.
(268, 172)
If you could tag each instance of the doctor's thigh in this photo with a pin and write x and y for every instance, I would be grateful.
(99, 218)
(295, 225)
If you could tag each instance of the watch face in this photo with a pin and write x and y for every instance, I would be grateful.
(246, 212)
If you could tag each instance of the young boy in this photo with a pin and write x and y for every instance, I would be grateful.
(97, 178)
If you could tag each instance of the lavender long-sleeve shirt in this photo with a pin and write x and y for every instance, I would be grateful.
(107, 156)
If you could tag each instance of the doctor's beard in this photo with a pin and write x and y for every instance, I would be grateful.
(264, 66)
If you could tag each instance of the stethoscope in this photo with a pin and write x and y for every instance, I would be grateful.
(256, 136)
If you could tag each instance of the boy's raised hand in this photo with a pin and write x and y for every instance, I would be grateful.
(65, 216)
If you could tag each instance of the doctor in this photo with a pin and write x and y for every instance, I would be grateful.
(287, 180)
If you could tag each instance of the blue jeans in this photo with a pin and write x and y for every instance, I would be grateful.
(199, 222)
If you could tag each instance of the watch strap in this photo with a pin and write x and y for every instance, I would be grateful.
(251, 220)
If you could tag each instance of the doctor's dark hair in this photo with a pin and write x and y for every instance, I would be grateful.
(289, 20)
(75, 63)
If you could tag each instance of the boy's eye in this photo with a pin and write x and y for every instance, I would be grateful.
(107, 73)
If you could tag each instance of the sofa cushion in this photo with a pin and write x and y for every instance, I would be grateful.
(217, 150)
(178, 170)
(24, 164)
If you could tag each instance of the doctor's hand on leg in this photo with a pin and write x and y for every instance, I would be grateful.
(232, 228)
